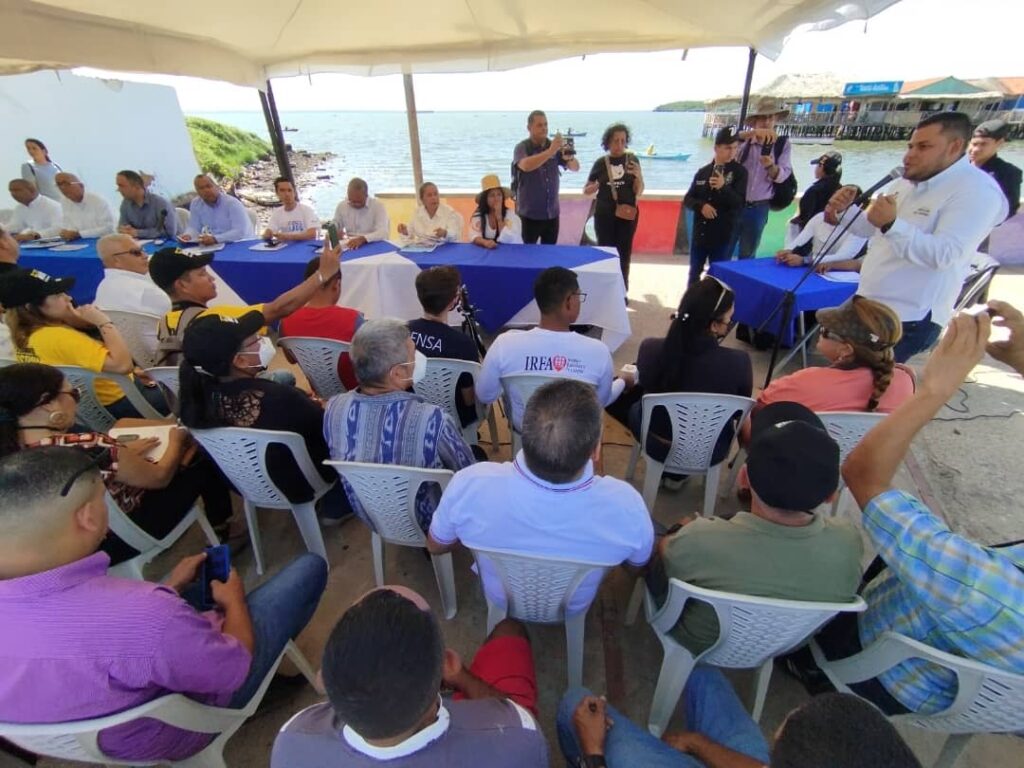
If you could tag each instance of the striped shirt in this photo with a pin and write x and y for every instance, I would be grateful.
(943, 590)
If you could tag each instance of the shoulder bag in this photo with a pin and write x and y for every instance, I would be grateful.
(622, 210)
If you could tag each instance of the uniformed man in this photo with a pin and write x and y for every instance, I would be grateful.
(988, 139)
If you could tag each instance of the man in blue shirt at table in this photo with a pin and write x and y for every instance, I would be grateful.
(215, 217)
(143, 214)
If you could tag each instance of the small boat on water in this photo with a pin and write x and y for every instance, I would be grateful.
(569, 134)
(812, 139)
(289, 129)
(652, 154)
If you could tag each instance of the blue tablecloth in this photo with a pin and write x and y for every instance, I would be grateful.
(760, 285)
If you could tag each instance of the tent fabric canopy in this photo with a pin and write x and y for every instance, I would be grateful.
(249, 41)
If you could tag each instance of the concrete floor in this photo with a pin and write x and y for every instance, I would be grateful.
(963, 465)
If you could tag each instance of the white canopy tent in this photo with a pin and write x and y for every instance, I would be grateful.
(248, 42)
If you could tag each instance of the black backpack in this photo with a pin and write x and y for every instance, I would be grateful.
(784, 192)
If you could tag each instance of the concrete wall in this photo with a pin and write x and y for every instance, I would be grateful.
(95, 128)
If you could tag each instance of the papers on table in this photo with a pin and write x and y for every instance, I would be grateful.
(267, 247)
(199, 250)
(421, 247)
(842, 277)
(45, 242)
(70, 247)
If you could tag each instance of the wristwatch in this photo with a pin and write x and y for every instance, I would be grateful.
(591, 761)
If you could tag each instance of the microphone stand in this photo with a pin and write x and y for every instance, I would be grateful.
(788, 300)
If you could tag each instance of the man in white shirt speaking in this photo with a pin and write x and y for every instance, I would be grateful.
(126, 285)
(926, 229)
(86, 214)
(550, 349)
(362, 218)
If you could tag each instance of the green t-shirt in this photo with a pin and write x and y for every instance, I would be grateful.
(753, 556)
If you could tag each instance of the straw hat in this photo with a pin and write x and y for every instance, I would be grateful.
(489, 182)
(765, 106)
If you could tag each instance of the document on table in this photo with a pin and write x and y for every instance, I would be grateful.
(267, 247)
(162, 432)
(842, 277)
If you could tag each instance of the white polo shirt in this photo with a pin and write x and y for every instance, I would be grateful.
(594, 519)
(371, 221)
(299, 219)
(920, 264)
(93, 217)
(42, 215)
(124, 291)
(820, 233)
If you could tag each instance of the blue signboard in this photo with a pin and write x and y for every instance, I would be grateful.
(889, 88)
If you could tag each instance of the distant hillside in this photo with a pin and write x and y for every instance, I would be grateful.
(681, 106)
(222, 150)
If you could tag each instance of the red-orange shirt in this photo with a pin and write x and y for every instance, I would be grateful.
(338, 323)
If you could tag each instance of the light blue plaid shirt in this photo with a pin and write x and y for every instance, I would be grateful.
(943, 590)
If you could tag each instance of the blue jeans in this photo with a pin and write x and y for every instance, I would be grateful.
(701, 254)
(749, 228)
(123, 409)
(712, 709)
(918, 336)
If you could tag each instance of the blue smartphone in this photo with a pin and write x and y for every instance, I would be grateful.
(216, 566)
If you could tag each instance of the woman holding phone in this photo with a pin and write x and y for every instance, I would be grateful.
(618, 182)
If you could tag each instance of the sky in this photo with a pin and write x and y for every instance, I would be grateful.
(915, 39)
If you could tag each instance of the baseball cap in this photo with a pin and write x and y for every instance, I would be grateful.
(726, 135)
(792, 461)
(992, 129)
(168, 264)
(846, 323)
(30, 286)
(831, 161)
(212, 341)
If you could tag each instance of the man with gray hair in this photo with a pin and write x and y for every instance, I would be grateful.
(126, 285)
(548, 502)
(361, 218)
(384, 423)
(86, 214)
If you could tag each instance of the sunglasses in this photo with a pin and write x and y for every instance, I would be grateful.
(130, 252)
(827, 334)
(75, 394)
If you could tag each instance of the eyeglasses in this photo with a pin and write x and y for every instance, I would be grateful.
(827, 334)
(582, 296)
(74, 393)
(130, 252)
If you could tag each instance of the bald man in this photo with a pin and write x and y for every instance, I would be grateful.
(85, 214)
(35, 215)
(126, 285)
(215, 217)
(78, 643)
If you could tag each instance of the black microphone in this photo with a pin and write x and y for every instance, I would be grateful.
(864, 196)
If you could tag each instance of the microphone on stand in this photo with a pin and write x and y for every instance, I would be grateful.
(865, 196)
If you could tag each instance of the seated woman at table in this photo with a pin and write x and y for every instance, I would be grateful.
(433, 220)
(690, 358)
(47, 328)
(493, 222)
(38, 407)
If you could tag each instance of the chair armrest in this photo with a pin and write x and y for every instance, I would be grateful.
(885, 653)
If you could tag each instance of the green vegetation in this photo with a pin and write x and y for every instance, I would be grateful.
(681, 106)
(222, 150)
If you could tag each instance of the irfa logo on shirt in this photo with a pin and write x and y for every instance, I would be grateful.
(556, 363)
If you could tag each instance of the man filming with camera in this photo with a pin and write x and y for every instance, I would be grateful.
(537, 164)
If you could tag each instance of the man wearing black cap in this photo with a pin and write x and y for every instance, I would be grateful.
(716, 197)
(988, 139)
(828, 174)
(190, 285)
(782, 548)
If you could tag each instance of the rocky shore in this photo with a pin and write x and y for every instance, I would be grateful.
(255, 186)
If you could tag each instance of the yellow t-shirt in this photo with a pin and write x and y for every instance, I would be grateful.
(61, 345)
(174, 316)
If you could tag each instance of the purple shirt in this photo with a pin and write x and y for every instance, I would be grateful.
(759, 184)
(77, 644)
(537, 192)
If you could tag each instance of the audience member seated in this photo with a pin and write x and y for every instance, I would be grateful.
(126, 285)
(215, 216)
(783, 547)
(835, 730)
(550, 349)
(38, 407)
(47, 328)
(323, 318)
(292, 220)
(35, 215)
(80, 644)
(690, 358)
(819, 235)
(437, 288)
(144, 214)
(383, 668)
(190, 286)
(9, 253)
(433, 221)
(548, 502)
(361, 219)
(828, 178)
(220, 388)
(929, 583)
(383, 423)
(493, 221)
(85, 214)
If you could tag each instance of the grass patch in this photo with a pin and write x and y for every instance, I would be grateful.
(222, 150)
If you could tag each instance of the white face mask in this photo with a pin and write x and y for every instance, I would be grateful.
(265, 351)
(419, 367)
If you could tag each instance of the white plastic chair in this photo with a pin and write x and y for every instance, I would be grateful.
(318, 359)
(148, 546)
(78, 739)
(440, 387)
(847, 428)
(517, 389)
(182, 215)
(387, 493)
(538, 590)
(241, 455)
(253, 221)
(697, 420)
(90, 412)
(988, 700)
(134, 327)
(167, 377)
(752, 632)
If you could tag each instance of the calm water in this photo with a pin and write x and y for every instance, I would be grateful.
(460, 147)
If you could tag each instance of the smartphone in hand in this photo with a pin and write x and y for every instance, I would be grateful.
(216, 566)
(332, 234)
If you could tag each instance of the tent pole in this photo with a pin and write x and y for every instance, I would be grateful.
(414, 130)
(746, 89)
(276, 134)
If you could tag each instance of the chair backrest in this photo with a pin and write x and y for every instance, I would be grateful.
(318, 359)
(751, 629)
(537, 589)
(133, 327)
(440, 383)
(387, 493)
(166, 375)
(90, 412)
(697, 420)
(242, 456)
(848, 428)
(518, 388)
(253, 221)
(182, 214)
